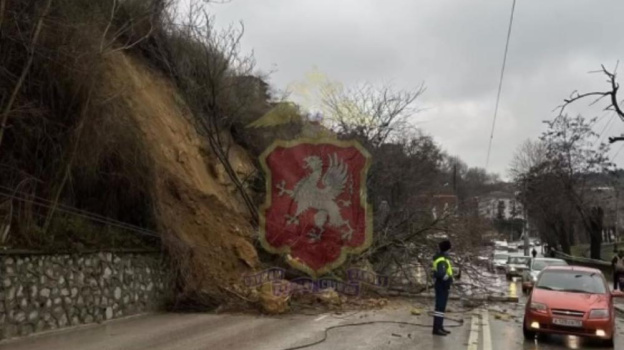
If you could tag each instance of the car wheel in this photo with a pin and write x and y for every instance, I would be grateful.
(509, 278)
(528, 334)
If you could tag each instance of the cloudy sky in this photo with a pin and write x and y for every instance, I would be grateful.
(455, 48)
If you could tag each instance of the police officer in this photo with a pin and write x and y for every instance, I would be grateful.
(443, 278)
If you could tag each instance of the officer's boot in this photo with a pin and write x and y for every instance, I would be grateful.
(437, 326)
(442, 326)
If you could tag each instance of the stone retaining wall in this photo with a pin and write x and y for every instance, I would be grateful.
(44, 292)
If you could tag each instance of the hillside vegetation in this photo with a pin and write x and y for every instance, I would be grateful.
(122, 113)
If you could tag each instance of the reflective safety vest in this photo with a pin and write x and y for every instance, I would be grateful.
(449, 268)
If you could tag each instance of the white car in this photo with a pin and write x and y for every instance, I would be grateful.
(516, 265)
(501, 245)
(529, 277)
(499, 260)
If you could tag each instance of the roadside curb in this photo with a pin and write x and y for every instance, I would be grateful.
(620, 309)
(69, 329)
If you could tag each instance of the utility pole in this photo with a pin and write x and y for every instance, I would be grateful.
(616, 188)
(455, 178)
(617, 222)
(527, 228)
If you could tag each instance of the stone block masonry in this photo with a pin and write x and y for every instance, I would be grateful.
(45, 292)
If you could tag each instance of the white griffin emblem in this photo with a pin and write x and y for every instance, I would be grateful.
(307, 194)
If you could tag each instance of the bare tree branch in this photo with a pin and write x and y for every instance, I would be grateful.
(31, 54)
(2, 8)
(528, 155)
(369, 112)
(210, 70)
(611, 94)
(71, 156)
(108, 25)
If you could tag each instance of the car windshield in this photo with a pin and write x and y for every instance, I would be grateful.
(539, 265)
(501, 257)
(572, 281)
(516, 260)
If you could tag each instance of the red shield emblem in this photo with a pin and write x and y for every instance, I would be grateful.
(316, 208)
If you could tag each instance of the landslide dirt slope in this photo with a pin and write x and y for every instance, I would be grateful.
(203, 221)
(99, 124)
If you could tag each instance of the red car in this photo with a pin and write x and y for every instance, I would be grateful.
(571, 300)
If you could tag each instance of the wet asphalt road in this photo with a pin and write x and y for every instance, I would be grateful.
(491, 327)
(246, 332)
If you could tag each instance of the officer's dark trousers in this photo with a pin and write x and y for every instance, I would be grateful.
(441, 298)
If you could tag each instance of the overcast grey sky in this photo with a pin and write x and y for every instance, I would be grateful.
(455, 48)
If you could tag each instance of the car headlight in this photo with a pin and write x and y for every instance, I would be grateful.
(512, 268)
(599, 313)
(539, 307)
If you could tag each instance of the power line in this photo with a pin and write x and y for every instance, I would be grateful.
(41, 202)
(44, 203)
(500, 84)
(600, 136)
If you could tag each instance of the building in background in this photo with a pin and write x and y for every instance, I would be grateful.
(500, 205)
(438, 205)
(504, 211)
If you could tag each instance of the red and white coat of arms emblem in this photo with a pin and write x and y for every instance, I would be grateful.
(316, 209)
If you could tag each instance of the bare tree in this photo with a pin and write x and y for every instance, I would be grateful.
(370, 112)
(555, 190)
(528, 155)
(548, 206)
(217, 80)
(410, 186)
